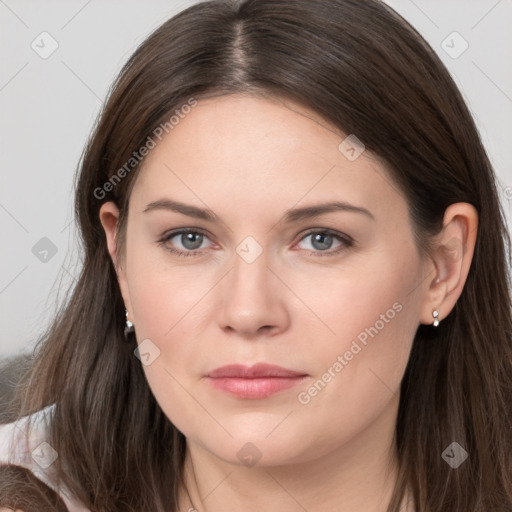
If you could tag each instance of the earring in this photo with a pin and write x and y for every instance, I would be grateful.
(435, 314)
(129, 327)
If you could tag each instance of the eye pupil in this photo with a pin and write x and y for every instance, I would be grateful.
(191, 240)
(325, 241)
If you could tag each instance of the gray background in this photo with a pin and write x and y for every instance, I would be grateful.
(48, 107)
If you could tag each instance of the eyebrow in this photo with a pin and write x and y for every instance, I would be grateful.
(185, 209)
(291, 215)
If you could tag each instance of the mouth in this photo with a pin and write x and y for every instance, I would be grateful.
(256, 382)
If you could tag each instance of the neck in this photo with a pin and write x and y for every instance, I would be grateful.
(357, 476)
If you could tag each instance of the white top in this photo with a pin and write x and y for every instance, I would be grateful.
(34, 453)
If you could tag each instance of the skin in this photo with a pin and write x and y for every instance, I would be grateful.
(298, 305)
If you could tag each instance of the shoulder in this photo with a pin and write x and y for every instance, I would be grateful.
(20, 439)
(24, 444)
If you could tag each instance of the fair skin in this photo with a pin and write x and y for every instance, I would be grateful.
(299, 304)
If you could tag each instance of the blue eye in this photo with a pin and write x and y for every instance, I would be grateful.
(322, 242)
(190, 240)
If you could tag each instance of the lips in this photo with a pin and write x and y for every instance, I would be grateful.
(256, 371)
(256, 382)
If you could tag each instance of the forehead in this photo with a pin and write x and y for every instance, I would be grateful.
(254, 153)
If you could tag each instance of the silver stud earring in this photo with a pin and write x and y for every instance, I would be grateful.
(129, 326)
(435, 314)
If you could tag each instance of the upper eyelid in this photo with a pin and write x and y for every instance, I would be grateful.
(178, 231)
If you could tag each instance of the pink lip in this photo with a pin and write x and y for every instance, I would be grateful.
(252, 372)
(258, 381)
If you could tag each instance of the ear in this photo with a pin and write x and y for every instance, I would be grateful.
(451, 260)
(109, 217)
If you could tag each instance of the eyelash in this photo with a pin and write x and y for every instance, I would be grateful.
(346, 242)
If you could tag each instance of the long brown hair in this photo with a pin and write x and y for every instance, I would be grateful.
(21, 490)
(362, 67)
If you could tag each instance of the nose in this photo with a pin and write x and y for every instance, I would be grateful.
(252, 300)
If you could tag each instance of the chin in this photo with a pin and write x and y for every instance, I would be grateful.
(260, 449)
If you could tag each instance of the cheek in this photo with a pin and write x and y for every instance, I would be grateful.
(169, 301)
(164, 293)
(358, 370)
(165, 302)
(358, 377)
(373, 302)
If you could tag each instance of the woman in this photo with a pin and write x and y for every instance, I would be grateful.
(295, 291)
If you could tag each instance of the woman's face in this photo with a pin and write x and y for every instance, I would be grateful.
(265, 275)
